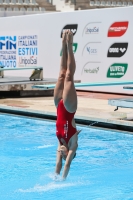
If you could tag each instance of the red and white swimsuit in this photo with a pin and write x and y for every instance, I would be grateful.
(64, 128)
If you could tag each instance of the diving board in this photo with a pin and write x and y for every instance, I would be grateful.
(92, 84)
(128, 87)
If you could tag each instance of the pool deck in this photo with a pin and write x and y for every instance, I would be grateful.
(93, 109)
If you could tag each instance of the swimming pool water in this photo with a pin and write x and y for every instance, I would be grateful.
(102, 169)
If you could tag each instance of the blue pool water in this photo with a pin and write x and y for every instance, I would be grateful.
(102, 169)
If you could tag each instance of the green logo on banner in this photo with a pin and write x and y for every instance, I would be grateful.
(75, 46)
(117, 70)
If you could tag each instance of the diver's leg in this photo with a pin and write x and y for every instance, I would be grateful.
(58, 91)
(69, 92)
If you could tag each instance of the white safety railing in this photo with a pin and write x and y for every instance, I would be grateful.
(19, 2)
(33, 3)
(6, 2)
(106, 3)
(16, 11)
(62, 5)
(26, 2)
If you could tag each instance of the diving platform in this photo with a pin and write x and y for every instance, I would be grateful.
(24, 86)
(124, 103)
(121, 102)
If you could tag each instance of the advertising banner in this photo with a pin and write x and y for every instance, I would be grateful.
(19, 50)
(102, 44)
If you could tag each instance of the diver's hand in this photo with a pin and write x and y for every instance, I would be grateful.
(57, 177)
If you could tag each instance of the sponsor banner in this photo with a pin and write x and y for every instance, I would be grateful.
(92, 28)
(90, 69)
(19, 50)
(75, 46)
(117, 49)
(92, 50)
(27, 50)
(72, 27)
(117, 29)
(8, 50)
(117, 70)
(102, 44)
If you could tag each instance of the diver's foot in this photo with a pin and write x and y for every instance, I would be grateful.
(64, 36)
(69, 38)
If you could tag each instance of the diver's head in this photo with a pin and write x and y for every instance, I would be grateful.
(64, 152)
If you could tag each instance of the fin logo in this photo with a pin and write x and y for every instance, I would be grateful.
(72, 27)
(118, 29)
(7, 42)
(117, 50)
(117, 70)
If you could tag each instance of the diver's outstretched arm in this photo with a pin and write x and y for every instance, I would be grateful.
(58, 160)
(69, 159)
